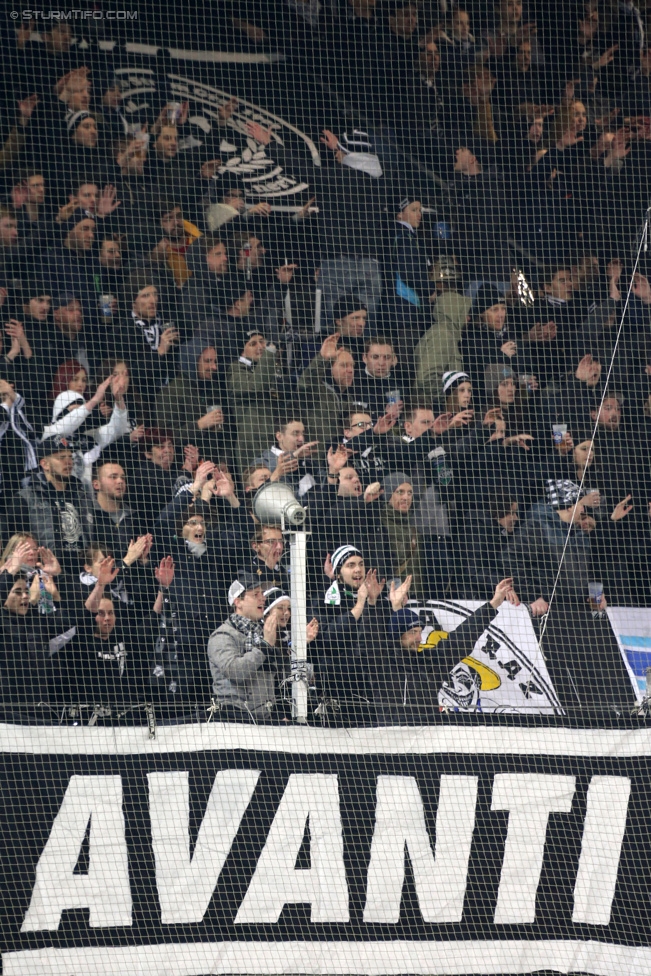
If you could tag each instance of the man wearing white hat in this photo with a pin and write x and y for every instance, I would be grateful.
(242, 655)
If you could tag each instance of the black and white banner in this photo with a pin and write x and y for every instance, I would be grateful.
(261, 169)
(221, 849)
(506, 672)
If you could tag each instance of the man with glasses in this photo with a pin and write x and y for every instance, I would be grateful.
(367, 444)
(268, 546)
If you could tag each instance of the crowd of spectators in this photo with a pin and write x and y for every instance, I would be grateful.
(464, 419)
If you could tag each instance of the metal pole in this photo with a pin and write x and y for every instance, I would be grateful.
(297, 549)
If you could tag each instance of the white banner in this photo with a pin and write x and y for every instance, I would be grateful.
(506, 671)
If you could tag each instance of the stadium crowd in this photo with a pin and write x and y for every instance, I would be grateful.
(164, 356)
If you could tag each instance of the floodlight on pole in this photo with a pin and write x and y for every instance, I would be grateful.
(275, 504)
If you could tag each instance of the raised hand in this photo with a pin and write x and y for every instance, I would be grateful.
(270, 628)
(164, 572)
(262, 209)
(592, 499)
(107, 571)
(99, 394)
(542, 332)
(285, 464)
(441, 423)
(202, 474)
(373, 492)
(149, 541)
(137, 549)
(503, 591)
(15, 329)
(119, 385)
(566, 444)
(398, 595)
(461, 419)
(169, 338)
(328, 348)
(539, 607)
(330, 573)
(66, 211)
(18, 557)
(213, 418)
(222, 484)
(337, 459)
(48, 562)
(107, 201)
(305, 209)
(306, 449)
(373, 586)
(362, 597)
(605, 58)
(394, 409)
(519, 440)
(385, 423)
(588, 370)
(312, 630)
(74, 75)
(190, 458)
(49, 585)
(330, 140)
(622, 509)
(641, 288)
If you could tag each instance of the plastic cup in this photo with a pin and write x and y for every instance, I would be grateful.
(558, 433)
(595, 591)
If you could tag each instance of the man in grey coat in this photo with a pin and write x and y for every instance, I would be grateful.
(243, 658)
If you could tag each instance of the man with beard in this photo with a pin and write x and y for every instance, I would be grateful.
(353, 623)
(52, 503)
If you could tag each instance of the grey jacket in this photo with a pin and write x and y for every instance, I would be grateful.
(237, 674)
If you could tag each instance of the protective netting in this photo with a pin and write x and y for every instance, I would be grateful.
(326, 414)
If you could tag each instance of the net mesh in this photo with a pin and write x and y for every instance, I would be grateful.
(326, 402)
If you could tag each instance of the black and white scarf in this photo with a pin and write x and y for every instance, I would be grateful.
(251, 629)
(152, 330)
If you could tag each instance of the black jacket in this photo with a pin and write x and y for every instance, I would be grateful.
(348, 652)
(410, 680)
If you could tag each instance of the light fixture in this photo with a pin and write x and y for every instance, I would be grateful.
(275, 504)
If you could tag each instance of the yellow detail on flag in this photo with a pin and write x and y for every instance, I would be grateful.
(432, 640)
(489, 679)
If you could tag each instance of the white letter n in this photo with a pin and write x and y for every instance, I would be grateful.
(440, 878)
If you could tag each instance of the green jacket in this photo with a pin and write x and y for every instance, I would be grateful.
(254, 402)
(438, 350)
(322, 402)
(406, 547)
(179, 405)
